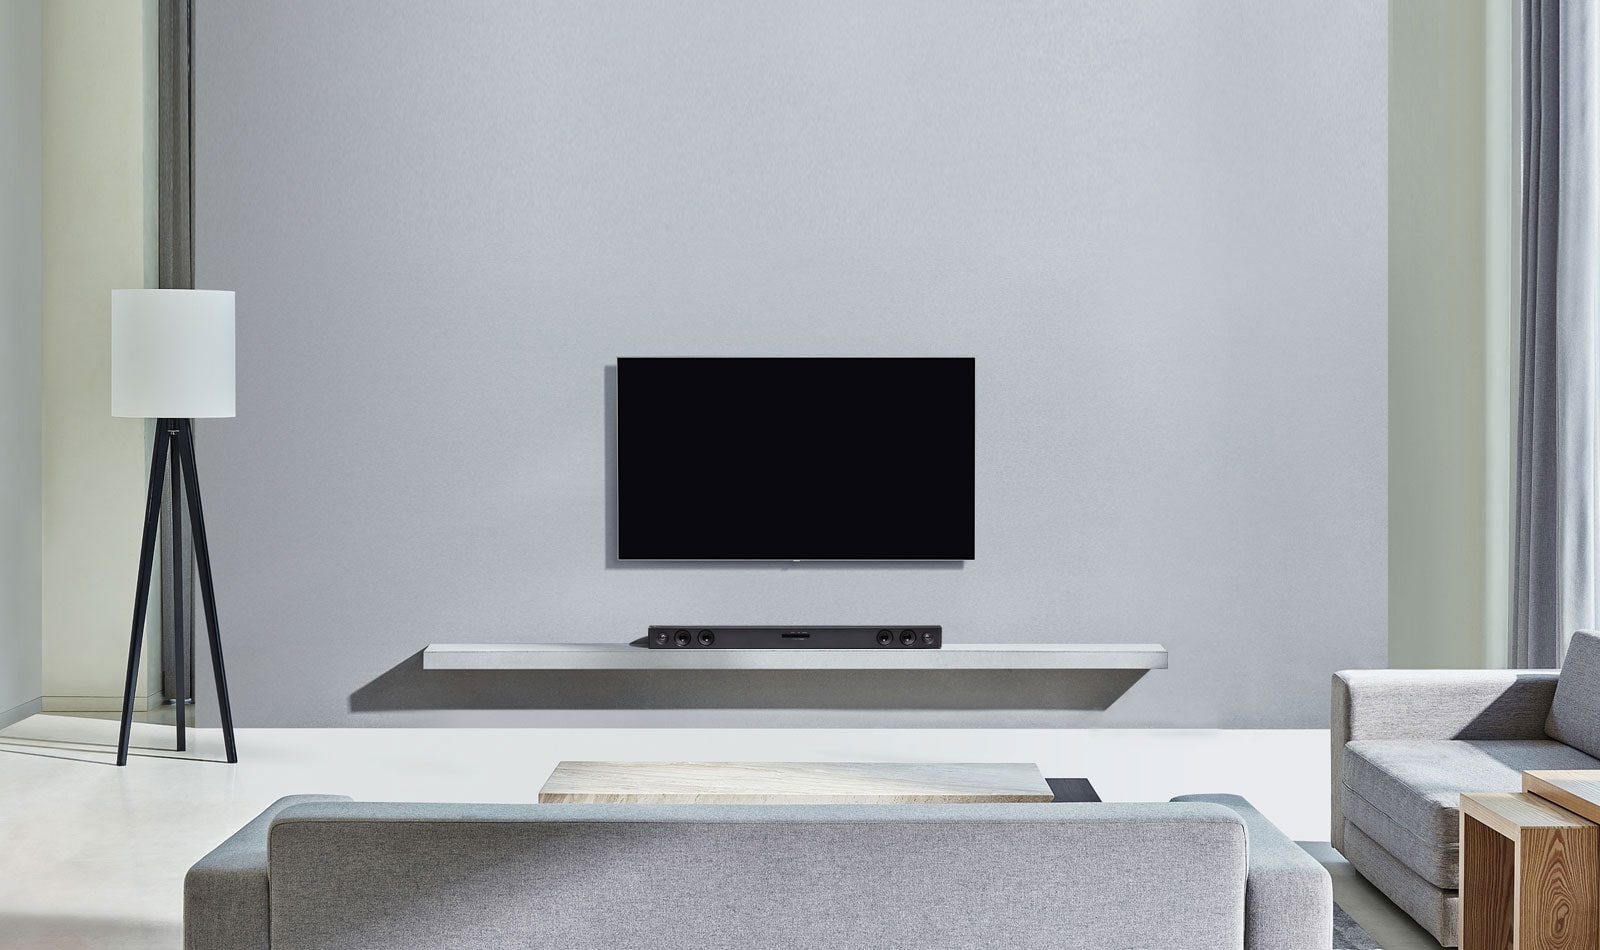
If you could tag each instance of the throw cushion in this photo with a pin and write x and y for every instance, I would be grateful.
(1575, 714)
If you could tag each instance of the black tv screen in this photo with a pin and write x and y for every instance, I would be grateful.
(782, 458)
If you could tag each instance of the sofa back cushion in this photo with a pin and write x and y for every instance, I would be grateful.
(1575, 714)
(360, 875)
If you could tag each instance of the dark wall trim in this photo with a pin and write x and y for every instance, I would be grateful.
(175, 196)
(175, 268)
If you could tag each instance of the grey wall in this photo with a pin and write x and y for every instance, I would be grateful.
(1160, 228)
(21, 359)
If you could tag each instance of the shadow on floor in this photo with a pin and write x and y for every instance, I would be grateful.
(153, 738)
(1366, 905)
(47, 932)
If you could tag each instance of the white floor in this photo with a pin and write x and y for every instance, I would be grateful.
(93, 856)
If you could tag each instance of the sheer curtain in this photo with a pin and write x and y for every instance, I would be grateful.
(1557, 490)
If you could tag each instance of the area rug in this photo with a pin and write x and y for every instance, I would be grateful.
(1348, 935)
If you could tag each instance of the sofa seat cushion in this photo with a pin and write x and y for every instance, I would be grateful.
(1438, 864)
(1405, 793)
(1438, 910)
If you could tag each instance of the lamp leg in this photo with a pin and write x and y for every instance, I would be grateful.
(202, 559)
(141, 593)
(179, 660)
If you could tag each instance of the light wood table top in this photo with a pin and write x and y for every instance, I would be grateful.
(769, 783)
(1510, 812)
(1576, 790)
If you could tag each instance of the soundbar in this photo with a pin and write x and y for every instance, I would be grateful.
(793, 638)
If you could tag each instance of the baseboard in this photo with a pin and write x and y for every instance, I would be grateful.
(18, 713)
(99, 703)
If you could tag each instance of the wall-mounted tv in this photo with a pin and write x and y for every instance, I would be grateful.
(782, 458)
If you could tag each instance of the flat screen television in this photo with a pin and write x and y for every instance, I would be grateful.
(781, 458)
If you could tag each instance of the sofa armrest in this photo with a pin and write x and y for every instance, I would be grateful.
(1433, 704)
(1288, 898)
(225, 893)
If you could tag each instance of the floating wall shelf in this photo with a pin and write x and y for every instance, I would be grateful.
(953, 656)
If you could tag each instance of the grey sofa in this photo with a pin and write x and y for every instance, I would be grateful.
(324, 872)
(1407, 743)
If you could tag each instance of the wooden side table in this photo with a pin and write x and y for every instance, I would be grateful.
(1529, 872)
(1576, 790)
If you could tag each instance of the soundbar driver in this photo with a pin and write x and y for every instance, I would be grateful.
(686, 637)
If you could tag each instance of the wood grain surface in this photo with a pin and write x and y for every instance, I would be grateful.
(1576, 790)
(1510, 812)
(1556, 893)
(767, 783)
(1488, 886)
(1551, 859)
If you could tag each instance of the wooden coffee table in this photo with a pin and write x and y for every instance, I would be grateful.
(766, 783)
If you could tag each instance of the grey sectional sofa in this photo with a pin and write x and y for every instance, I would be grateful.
(1407, 743)
(316, 872)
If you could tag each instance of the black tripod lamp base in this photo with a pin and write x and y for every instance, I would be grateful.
(174, 455)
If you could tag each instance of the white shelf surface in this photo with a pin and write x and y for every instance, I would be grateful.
(953, 656)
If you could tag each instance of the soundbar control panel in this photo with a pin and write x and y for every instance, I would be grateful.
(793, 638)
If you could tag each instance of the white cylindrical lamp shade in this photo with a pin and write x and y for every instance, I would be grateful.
(172, 353)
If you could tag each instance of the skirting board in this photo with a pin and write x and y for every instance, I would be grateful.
(143, 703)
(18, 713)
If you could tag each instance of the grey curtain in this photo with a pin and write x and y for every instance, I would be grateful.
(1554, 590)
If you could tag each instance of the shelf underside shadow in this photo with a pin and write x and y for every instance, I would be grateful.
(408, 686)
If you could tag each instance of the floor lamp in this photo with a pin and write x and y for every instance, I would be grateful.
(172, 360)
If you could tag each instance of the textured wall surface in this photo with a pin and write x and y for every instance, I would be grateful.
(21, 388)
(1454, 213)
(99, 235)
(1159, 227)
